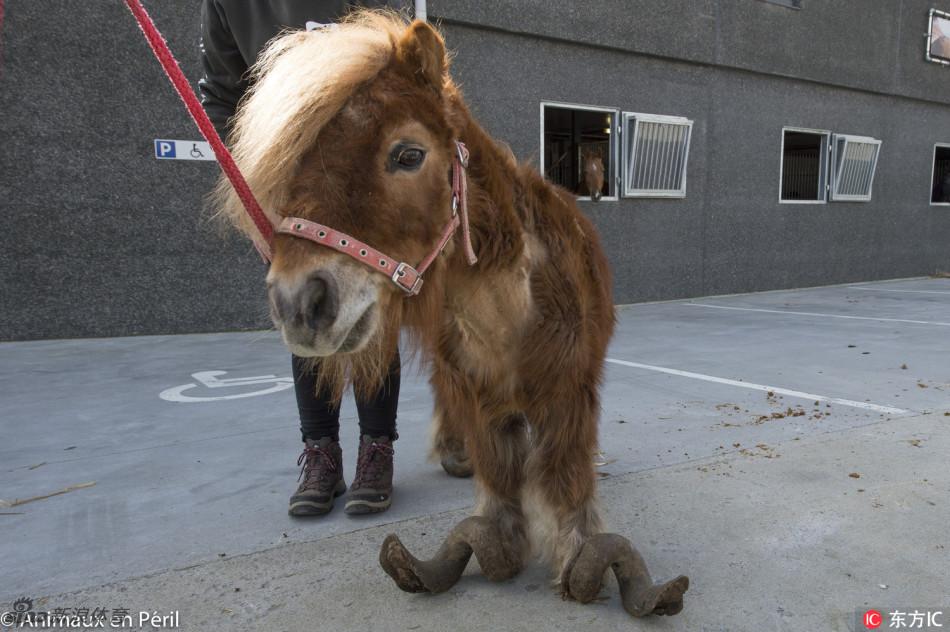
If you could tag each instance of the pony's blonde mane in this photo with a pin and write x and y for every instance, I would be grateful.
(300, 82)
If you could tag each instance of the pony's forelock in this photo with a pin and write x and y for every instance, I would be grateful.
(300, 82)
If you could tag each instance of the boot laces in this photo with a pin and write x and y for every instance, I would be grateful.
(369, 467)
(311, 458)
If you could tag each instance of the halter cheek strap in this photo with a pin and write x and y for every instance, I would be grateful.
(406, 277)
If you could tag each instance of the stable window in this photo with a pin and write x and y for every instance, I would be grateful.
(578, 148)
(656, 153)
(854, 163)
(804, 165)
(940, 181)
(938, 38)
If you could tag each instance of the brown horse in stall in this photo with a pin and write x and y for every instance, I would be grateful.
(356, 128)
(592, 172)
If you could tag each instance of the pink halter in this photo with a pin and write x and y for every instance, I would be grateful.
(406, 277)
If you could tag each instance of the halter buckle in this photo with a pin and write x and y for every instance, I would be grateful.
(462, 152)
(401, 273)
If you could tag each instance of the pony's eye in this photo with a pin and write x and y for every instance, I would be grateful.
(408, 157)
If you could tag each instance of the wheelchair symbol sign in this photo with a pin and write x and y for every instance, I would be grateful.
(167, 149)
(212, 380)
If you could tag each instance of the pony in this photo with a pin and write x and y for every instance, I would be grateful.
(592, 169)
(356, 128)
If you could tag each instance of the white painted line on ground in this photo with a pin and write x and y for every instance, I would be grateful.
(789, 312)
(890, 410)
(880, 289)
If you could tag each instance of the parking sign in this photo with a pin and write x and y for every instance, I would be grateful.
(166, 149)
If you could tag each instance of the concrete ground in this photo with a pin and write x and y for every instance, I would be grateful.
(787, 450)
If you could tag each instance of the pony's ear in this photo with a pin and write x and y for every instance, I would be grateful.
(422, 50)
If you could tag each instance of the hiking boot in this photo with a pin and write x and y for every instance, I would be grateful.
(372, 489)
(321, 478)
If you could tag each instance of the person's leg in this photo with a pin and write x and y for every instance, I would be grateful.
(371, 491)
(378, 411)
(321, 475)
(319, 413)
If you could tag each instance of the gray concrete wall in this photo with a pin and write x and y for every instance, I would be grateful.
(100, 239)
(741, 69)
(874, 45)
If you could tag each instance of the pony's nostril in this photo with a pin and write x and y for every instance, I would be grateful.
(320, 301)
(281, 307)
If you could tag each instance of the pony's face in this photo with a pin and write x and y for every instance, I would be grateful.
(594, 175)
(380, 171)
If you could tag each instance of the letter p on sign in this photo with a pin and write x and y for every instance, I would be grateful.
(164, 148)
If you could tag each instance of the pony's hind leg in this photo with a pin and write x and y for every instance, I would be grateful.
(448, 440)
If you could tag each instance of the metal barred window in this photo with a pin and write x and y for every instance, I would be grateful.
(854, 163)
(656, 153)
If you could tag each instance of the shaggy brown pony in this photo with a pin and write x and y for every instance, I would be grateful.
(354, 127)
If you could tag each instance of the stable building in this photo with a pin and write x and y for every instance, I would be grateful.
(746, 145)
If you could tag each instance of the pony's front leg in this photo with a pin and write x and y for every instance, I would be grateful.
(560, 478)
(561, 482)
(496, 534)
(498, 455)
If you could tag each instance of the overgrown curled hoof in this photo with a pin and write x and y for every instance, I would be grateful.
(400, 565)
(583, 578)
(667, 599)
(473, 535)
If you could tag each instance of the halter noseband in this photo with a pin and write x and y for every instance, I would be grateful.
(406, 277)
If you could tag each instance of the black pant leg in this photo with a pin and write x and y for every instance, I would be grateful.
(319, 414)
(378, 412)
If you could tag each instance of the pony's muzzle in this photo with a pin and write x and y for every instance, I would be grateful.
(328, 309)
(310, 308)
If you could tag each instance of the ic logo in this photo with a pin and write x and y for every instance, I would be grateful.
(872, 619)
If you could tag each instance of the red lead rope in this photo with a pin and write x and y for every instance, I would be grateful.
(225, 160)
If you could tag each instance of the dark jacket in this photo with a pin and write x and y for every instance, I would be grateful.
(233, 33)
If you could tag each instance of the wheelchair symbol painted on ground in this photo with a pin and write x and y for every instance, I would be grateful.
(212, 380)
